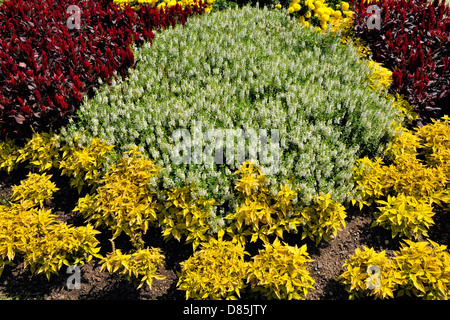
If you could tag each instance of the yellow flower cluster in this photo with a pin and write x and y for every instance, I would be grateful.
(162, 4)
(357, 280)
(318, 13)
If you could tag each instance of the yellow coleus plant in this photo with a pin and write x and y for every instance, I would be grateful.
(406, 111)
(141, 264)
(84, 164)
(9, 153)
(36, 188)
(41, 152)
(371, 179)
(424, 268)
(323, 218)
(279, 271)
(259, 214)
(405, 216)
(416, 178)
(60, 245)
(217, 271)
(420, 269)
(381, 77)
(418, 167)
(44, 243)
(124, 202)
(184, 215)
(436, 143)
(368, 273)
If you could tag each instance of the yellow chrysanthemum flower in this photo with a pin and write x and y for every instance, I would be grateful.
(320, 11)
(325, 18)
(337, 14)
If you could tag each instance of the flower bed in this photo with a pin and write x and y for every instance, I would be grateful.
(329, 102)
(262, 71)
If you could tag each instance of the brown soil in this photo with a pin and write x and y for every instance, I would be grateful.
(329, 257)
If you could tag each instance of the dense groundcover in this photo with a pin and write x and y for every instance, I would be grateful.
(248, 70)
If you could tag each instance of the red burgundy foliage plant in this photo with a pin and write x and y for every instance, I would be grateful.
(47, 66)
(413, 42)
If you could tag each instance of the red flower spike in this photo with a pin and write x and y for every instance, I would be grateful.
(60, 63)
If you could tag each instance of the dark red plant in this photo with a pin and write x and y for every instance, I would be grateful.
(47, 68)
(413, 42)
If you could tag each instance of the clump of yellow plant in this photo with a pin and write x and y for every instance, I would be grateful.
(424, 268)
(36, 188)
(142, 263)
(43, 242)
(323, 218)
(124, 202)
(9, 153)
(84, 164)
(185, 215)
(405, 215)
(217, 271)
(40, 151)
(279, 271)
(416, 177)
(260, 214)
(162, 4)
(368, 273)
(420, 269)
(320, 14)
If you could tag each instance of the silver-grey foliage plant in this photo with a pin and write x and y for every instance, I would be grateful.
(249, 69)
